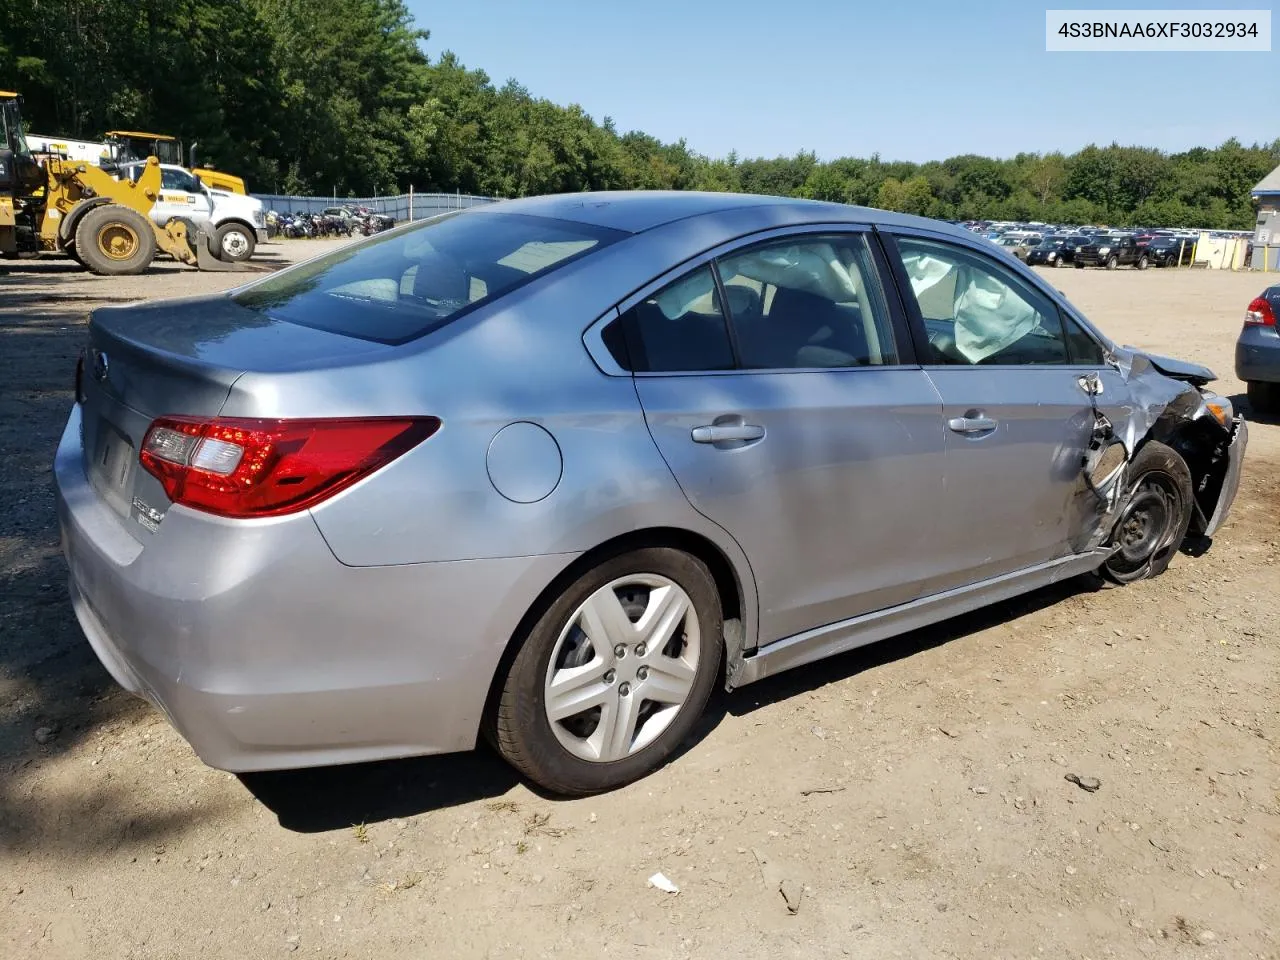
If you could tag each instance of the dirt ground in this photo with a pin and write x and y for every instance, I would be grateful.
(912, 794)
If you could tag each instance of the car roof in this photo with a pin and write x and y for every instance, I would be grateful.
(636, 211)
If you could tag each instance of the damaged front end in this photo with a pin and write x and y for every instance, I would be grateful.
(1171, 405)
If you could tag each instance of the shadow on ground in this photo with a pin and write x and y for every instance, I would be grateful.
(1240, 402)
(334, 798)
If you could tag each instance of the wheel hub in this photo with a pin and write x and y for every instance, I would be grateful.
(118, 241)
(622, 668)
(234, 244)
(1145, 525)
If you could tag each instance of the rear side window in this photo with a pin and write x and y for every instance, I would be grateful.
(808, 303)
(679, 329)
(408, 282)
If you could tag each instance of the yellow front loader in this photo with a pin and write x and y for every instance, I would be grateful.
(105, 223)
(82, 210)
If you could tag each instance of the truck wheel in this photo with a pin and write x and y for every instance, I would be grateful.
(1111, 262)
(1079, 265)
(114, 241)
(234, 243)
(1142, 262)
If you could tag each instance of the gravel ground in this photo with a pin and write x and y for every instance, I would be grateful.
(911, 797)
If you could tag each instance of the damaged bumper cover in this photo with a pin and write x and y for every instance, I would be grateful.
(1230, 485)
(1172, 406)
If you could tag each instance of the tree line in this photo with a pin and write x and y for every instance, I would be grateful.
(324, 96)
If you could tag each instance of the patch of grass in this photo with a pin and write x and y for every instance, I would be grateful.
(522, 846)
(503, 806)
(539, 823)
(360, 832)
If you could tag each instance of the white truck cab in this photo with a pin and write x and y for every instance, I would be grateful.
(237, 221)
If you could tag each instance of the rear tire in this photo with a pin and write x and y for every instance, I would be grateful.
(113, 241)
(620, 734)
(1264, 397)
(234, 243)
(1154, 521)
(1112, 262)
(1079, 265)
(1142, 262)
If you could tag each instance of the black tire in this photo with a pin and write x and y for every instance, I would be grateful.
(1059, 262)
(1154, 521)
(1079, 265)
(1142, 262)
(114, 241)
(1264, 397)
(239, 238)
(520, 728)
(1112, 262)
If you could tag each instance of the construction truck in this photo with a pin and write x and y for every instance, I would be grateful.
(126, 146)
(79, 208)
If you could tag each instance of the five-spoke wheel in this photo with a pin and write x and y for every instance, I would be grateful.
(614, 674)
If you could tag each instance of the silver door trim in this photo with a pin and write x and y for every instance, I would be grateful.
(859, 631)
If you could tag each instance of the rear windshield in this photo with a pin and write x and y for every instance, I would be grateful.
(406, 283)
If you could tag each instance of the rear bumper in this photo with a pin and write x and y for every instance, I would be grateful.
(267, 653)
(1258, 355)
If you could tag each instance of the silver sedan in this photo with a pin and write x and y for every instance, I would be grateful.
(551, 469)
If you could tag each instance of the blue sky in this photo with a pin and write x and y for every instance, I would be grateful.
(917, 80)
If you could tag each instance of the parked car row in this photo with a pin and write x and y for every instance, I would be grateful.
(1055, 246)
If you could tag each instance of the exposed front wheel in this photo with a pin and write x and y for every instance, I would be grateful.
(1155, 517)
(1142, 262)
(614, 674)
(1112, 262)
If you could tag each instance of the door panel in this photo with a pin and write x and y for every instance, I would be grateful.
(1007, 364)
(1013, 490)
(834, 504)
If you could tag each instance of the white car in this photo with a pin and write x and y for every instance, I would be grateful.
(239, 222)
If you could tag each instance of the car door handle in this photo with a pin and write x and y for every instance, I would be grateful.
(971, 424)
(725, 432)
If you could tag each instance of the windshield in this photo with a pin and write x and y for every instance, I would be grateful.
(1051, 244)
(406, 283)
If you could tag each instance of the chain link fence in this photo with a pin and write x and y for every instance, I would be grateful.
(403, 206)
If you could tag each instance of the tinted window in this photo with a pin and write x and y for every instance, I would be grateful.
(176, 180)
(680, 328)
(808, 303)
(976, 311)
(403, 284)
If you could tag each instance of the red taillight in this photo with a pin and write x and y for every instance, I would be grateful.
(264, 468)
(1259, 314)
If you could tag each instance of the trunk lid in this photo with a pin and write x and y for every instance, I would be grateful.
(178, 358)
